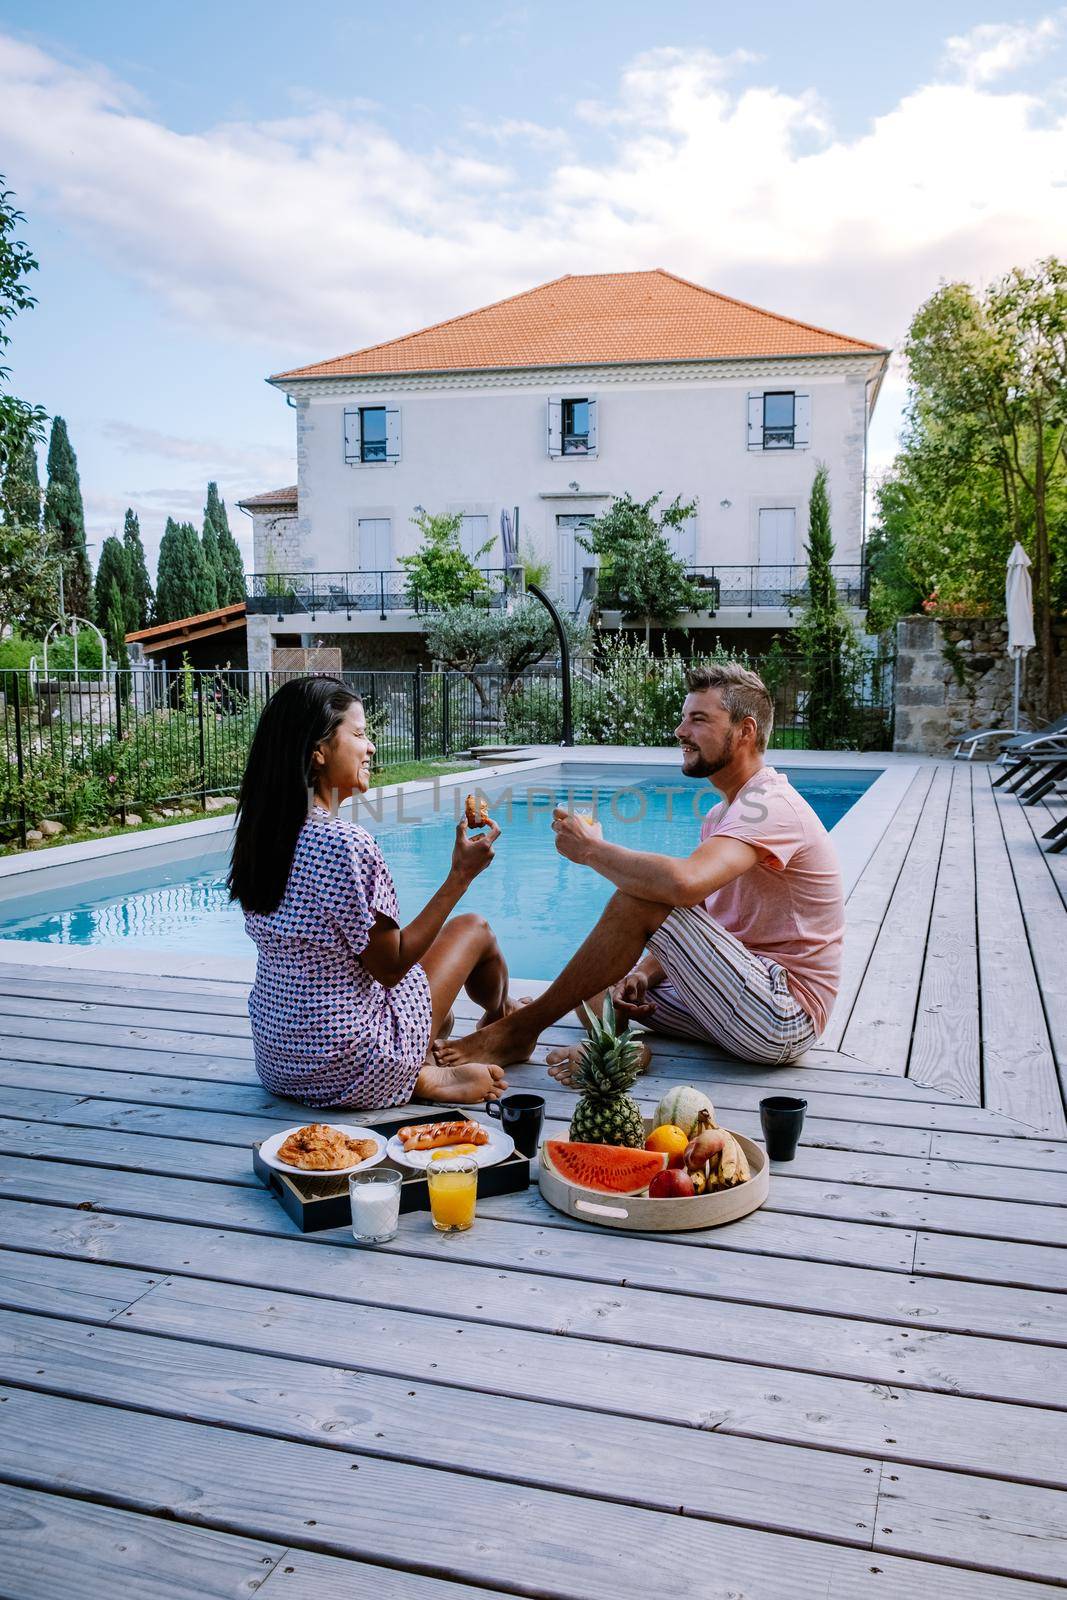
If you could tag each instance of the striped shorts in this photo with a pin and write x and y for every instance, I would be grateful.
(718, 991)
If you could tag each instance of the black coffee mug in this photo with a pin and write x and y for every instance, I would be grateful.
(521, 1115)
(782, 1118)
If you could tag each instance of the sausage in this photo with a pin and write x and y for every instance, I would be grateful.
(433, 1135)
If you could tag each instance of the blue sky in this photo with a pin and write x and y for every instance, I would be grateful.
(217, 192)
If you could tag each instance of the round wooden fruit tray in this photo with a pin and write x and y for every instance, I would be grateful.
(640, 1214)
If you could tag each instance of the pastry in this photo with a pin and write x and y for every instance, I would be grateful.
(320, 1148)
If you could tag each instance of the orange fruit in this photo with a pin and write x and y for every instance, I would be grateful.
(668, 1138)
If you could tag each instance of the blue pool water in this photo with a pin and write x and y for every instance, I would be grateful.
(540, 905)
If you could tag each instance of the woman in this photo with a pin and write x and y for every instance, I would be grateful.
(346, 1002)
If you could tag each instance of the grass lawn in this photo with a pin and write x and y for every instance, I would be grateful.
(401, 772)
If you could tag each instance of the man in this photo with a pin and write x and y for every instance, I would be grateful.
(738, 944)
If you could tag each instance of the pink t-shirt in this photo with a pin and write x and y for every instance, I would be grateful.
(790, 908)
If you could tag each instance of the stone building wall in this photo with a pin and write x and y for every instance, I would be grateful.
(953, 674)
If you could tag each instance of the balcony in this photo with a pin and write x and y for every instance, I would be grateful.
(755, 588)
(315, 594)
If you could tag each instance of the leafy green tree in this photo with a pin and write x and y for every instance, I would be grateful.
(467, 638)
(64, 517)
(139, 596)
(825, 634)
(181, 577)
(21, 499)
(637, 562)
(18, 419)
(29, 576)
(112, 568)
(230, 569)
(114, 613)
(439, 572)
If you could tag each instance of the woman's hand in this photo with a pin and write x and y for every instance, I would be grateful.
(471, 854)
(575, 837)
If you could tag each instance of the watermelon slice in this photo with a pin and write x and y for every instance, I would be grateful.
(609, 1168)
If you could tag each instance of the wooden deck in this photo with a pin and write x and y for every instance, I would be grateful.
(860, 1390)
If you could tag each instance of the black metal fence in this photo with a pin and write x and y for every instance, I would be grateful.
(90, 751)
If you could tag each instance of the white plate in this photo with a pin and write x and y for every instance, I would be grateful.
(500, 1146)
(269, 1151)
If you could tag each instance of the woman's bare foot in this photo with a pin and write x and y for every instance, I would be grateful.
(447, 1026)
(563, 1063)
(505, 1010)
(504, 1042)
(464, 1084)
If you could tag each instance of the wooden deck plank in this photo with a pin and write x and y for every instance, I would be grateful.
(880, 1027)
(213, 1477)
(612, 1456)
(1033, 1266)
(945, 1046)
(869, 901)
(56, 1548)
(1018, 1069)
(1016, 1527)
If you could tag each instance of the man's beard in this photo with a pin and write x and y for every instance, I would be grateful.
(699, 766)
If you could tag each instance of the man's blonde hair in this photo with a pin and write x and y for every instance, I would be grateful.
(744, 694)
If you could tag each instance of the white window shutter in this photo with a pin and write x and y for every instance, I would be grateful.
(755, 420)
(801, 421)
(353, 439)
(593, 429)
(555, 425)
(392, 433)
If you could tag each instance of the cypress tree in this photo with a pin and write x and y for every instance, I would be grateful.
(214, 577)
(180, 575)
(825, 634)
(113, 610)
(21, 500)
(231, 582)
(113, 567)
(64, 518)
(139, 594)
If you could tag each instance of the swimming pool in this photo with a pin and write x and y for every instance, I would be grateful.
(540, 905)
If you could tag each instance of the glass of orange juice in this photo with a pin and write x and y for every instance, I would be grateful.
(453, 1186)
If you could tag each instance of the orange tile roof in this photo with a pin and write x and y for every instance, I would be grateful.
(270, 497)
(597, 319)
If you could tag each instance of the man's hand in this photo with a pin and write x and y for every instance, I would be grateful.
(630, 998)
(575, 838)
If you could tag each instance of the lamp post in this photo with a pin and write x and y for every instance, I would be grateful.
(565, 660)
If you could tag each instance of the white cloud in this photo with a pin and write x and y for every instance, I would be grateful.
(320, 231)
(993, 49)
(214, 456)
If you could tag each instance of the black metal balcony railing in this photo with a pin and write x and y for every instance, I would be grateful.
(755, 587)
(296, 593)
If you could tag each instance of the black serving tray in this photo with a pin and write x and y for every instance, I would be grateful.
(315, 1203)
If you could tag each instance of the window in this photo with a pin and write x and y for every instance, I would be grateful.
(374, 544)
(779, 420)
(473, 534)
(372, 433)
(576, 427)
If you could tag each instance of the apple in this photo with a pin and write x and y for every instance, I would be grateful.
(671, 1184)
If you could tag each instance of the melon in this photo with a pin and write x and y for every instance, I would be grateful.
(682, 1105)
(609, 1168)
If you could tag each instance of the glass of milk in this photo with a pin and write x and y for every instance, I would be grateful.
(375, 1197)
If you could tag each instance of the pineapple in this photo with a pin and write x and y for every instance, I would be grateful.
(608, 1065)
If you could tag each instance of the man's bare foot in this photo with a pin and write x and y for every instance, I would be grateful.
(505, 1010)
(504, 1042)
(465, 1084)
(563, 1063)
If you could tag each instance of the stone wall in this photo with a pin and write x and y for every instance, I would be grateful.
(953, 674)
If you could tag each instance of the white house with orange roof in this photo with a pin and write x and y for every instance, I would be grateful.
(554, 401)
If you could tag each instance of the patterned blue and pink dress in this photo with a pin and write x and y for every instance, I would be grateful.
(326, 1032)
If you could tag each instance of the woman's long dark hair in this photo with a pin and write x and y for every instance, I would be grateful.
(273, 802)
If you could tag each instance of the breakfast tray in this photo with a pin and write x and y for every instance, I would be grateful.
(642, 1215)
(322, 1202)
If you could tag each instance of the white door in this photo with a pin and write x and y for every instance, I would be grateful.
(374, 544)
(571, 559)
(473, 534)
(778, 537)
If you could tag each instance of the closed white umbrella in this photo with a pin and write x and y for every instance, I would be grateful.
(1019, 605)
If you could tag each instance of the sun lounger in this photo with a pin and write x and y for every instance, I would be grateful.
(968, 744)
(1018, 753)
